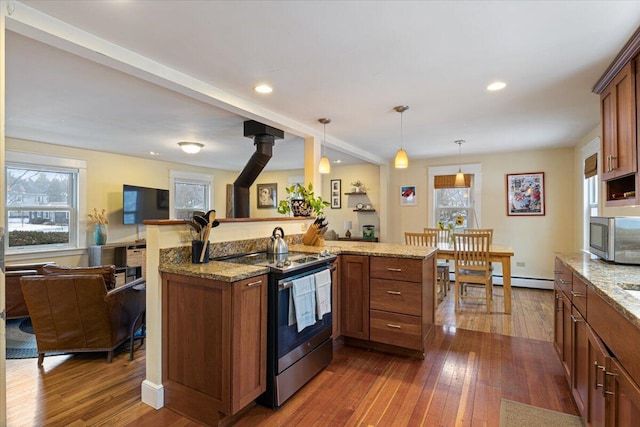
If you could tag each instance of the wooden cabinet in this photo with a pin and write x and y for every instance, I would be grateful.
(213, 345)
(398, 312)
(336, 301)
(354, 284)
(396, 302)
(598, 348)
(618, 109)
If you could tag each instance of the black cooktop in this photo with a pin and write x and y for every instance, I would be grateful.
(280, 262)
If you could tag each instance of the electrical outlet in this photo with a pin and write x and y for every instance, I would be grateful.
(303, 226)
(521, 264)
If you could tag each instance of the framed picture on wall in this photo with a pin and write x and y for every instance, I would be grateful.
(525, 194)
(267, 195)
(336, 195)
(408, 195)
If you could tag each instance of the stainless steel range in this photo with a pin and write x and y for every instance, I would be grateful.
(293, 357)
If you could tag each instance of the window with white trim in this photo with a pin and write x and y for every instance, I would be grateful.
(42, 202)
(590, 153)
(192, 192)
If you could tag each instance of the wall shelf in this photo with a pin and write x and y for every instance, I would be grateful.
(356, 193)
(364, 210)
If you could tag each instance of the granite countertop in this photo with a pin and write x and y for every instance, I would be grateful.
(230, 272)
(606, 279)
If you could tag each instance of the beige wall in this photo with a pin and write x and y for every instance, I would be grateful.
(533, 238)
(369, 175)
(267, 177)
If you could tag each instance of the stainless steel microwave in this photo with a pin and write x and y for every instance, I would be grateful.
(615, 239)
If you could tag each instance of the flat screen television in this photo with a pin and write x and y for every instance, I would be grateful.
(140, 203)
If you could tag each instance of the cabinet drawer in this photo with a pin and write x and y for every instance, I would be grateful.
(562, 276)
(405, 269)
(579, 295)
(396, 296)
(395, 329)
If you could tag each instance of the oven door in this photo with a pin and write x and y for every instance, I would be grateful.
(292, 345)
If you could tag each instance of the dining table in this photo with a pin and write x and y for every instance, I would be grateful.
(497, 253)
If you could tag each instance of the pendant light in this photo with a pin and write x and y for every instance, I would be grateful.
(459, 182)
(324, 166)
(402, 160)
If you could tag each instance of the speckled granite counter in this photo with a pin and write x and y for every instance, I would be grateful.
(606, 278)
(229, 272)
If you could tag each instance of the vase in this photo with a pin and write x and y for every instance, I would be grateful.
(300, 207)
(100, 234)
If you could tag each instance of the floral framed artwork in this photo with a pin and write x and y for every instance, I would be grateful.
(336, 195)
(408, 195)
(525, 194)
(267, 195)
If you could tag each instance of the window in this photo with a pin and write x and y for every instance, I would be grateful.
(591, 187)
(41, 202)
(191, 192)
(451, 203)
(447, 202)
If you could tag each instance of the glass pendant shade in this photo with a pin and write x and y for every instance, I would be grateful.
(459, 182)
(402, 160)
(324, 166)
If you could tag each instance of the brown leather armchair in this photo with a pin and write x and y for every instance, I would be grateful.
(15, 305)
(75, 312)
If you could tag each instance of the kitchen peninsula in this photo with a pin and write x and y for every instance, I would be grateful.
(214, 319)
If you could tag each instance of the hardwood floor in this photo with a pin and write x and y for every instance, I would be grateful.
(460, 382)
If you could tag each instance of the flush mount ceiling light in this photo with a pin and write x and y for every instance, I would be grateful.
(459, 182)
(324, 166)
(496, 86)
(263, 88)
(190, 147)
(402, 160)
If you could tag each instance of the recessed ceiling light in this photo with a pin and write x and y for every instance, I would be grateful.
(154, 153)
(496, 86)
(263, 88)
(337, 161)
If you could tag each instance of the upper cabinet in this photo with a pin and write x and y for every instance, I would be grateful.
(618, 109)
(619, 98)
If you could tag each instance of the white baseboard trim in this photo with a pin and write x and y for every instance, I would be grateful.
(526, 282)
(152, 394)
(520, 282)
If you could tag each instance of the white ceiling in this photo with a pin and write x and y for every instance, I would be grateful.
(352, 61)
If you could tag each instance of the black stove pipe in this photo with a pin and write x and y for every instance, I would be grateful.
(263, 138)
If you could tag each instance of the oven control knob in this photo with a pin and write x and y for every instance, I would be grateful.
(287, 262)
(279, 264)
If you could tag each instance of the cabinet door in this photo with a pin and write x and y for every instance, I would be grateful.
(558, 322)
(579, 362)
(596, 362)
(335, 301)
(249, 346)
(624, 397)
(618, 109)
(567, 336)
(354, 284)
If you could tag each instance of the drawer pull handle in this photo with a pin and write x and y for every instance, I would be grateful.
(254, 283)
(596, 368)
(391, 325)
(394, 292)
(575, 319)
(399, 270)
(604, 389)
(576, 294)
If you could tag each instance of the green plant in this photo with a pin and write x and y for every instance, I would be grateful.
(300, 192)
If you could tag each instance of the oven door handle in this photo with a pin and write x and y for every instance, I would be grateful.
(286, 285)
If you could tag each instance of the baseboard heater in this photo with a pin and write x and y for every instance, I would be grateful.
(521, 282)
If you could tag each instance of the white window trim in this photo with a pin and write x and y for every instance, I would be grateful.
(474, 169)
(188, 176)
(38, 160)
(589, 149)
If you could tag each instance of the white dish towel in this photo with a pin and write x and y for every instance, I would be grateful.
(323, 292)
(303, 293)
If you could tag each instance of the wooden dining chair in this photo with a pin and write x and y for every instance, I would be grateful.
(471, 260)
(421, 239)
(443, 237)
(429, 239)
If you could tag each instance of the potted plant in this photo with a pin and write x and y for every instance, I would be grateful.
(302, 201)
(358, 187)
